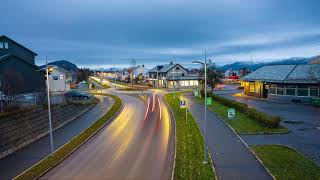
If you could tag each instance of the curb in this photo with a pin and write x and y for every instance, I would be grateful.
(92, 135)
(243, 143)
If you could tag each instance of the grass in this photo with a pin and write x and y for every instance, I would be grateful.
(52, 160)
(105, 86)
(129, 89)
(242, 124)
(286, 163)
(189, 145)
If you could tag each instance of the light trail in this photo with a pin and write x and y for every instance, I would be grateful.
(147, 109)
(159, 106)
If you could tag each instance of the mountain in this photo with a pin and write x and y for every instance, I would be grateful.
(315, 60)
(256, 65)
(63, 64)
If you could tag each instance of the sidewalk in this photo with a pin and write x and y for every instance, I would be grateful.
(232, 159)
(15, 163)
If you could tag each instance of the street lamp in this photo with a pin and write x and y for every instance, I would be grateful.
(49, 103)
(115, 81)
(205, 105)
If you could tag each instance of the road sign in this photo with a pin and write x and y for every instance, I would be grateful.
(183, 103)
(196, 93)
(231, 113)
(209, 101)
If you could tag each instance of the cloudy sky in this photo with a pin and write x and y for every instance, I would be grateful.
(101, 33)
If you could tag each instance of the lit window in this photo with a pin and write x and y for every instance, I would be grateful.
(6, 45)
(1, 45)
(252, 88)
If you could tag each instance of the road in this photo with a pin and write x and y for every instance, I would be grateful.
(302, 120)
(138, 144)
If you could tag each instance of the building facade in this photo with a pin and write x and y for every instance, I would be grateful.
(297, 83)
(18, 72)
(172, 75)
(59, 79)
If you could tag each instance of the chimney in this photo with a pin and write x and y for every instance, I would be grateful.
(171, 63)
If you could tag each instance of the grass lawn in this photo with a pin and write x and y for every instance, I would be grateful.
(242, 124)
(286, 163)
(189, 145)
(129, 89)
(54, 159)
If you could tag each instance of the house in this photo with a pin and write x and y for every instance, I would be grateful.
(298, 83)
(172, 75)
(18, 72)
(59, 79)
(132, 72)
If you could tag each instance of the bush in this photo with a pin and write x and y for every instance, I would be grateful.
(261, 117)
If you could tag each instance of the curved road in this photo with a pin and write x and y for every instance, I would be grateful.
(138, 144)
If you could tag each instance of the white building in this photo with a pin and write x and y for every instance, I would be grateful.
(172, 75)
(59, 79)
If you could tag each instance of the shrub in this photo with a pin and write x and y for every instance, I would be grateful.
(261, 117)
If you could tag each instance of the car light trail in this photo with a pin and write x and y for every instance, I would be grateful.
(159, 107)
(147, 109)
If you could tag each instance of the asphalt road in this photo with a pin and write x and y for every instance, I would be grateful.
(304, 134)
(138, 144)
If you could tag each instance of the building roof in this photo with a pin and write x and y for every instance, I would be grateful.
(306, 73)
(164, 68)
(6, 37)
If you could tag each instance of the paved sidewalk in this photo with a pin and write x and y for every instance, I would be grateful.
(17, 162)
(232, 159)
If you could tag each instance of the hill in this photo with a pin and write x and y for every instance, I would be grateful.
(64, 64)
(256, 65)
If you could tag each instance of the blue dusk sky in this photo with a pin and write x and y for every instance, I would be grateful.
(104, 33)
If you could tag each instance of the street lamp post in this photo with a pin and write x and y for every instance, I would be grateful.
(205, 106)
(49, 106)
(115, 81)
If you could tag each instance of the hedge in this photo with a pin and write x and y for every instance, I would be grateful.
(261, 117)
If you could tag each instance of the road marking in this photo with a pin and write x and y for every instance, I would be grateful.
(153, 102)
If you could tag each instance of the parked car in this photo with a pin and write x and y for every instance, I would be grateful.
(75, 95)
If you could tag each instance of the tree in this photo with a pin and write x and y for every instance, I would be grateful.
(214, 75)
(83, 74)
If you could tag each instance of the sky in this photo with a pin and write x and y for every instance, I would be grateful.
(108, 33)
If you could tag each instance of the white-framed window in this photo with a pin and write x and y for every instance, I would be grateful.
(6, 45)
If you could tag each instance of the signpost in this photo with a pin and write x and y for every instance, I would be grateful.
(183, 104)
(231, 113)
(209, 101)
(196, 93)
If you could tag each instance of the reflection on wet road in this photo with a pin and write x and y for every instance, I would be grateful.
(138, 144)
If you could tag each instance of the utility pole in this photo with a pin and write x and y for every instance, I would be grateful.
(205, 107)
(174, 93)
(49, 106)
(115, 81)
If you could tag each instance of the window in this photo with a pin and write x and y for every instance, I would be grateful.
(272, 89)
(291, 90)
(55, 77)
(182, 74)
(177, 68)
(1, 45)
(303, 90)
(280, 89)
(6, 45)
(252, 89)
(314, 91)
